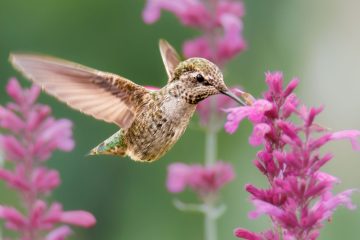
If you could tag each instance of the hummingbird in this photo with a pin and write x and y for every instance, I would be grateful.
(150, 121)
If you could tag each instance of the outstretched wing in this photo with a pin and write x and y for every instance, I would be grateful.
(102, 95)
(169, 56)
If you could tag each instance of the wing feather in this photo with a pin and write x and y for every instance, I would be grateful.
(104, 96)
(169, 56)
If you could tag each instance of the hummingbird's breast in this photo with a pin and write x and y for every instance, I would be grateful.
(158, 126)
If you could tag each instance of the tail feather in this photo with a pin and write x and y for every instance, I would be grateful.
(114, 145)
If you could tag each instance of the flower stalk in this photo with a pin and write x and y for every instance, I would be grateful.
(29, 137)
(299, 198)
(210, 225)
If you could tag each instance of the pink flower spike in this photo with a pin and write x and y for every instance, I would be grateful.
(352, 135)
(32, 137)
(232, 42)
(219, 21)
(299, 197)
(177, 177)
(60, 233)
(189, 12)
(210, 179)
(203, 180)
(79, 218)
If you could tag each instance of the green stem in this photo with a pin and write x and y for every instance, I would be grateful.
(210, 159)
(210, 147)
(210, 224)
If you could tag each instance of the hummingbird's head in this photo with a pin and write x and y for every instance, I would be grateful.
(197, 78)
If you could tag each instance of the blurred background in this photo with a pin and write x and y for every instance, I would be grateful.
(317, 41)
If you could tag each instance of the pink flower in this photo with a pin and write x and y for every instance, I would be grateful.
(189, 12)
(245, 234)
(235, 8)
(178, 174)
(32, 136)
(352, 135)
(254, 112)
(198, 47)
(42, 218)
(219, 21)
(44, 132)
(299, 198)
(258, 134)
(232, 42)
(202, 180)
(59, 233)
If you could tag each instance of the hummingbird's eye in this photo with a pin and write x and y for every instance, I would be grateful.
(200, 78)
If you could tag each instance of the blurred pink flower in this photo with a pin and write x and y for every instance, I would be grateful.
(43, 218)
(32, 136)
(189, 12)
(198, 47)
(204, 180)
(220, 21)
(299, 197)
(59, 233)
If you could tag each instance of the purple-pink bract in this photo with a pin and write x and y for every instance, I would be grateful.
(31, 136)
(220, 22)
(204, 180)
(300, 196)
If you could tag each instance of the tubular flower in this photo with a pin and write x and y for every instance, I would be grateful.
(31, 136)
(300, 196)
(219, 21)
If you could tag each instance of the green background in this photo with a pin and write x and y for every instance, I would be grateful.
(314, 40)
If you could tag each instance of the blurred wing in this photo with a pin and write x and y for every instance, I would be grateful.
(169, 56)
(104, 96)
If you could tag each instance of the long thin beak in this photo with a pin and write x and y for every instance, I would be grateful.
(233, 96)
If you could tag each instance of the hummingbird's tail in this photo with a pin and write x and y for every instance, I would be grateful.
(114, 145)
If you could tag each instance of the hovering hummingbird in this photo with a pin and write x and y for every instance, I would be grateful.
(150, 122)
